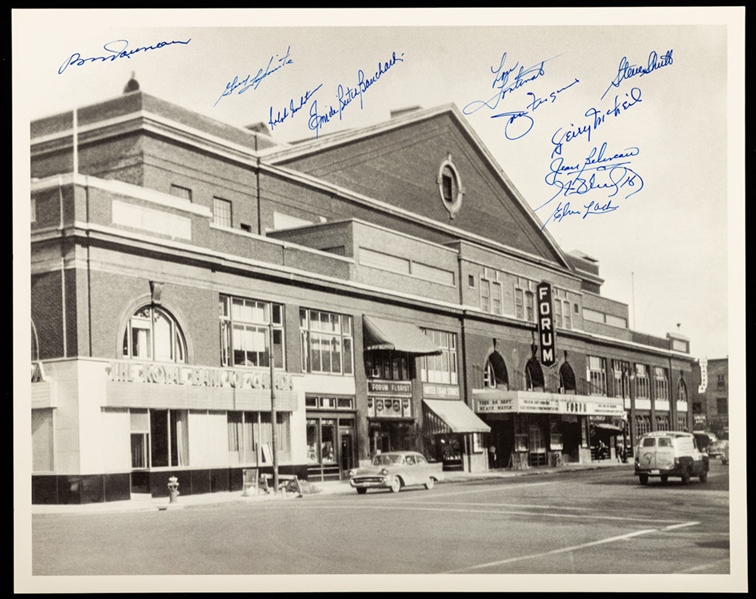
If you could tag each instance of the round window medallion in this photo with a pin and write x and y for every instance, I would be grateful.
(449, 187)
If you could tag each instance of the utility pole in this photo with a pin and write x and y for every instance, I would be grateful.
(273, 415)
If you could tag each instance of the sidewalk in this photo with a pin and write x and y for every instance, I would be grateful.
(149, 504)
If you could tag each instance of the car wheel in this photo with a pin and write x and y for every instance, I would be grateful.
(703, 477)
(686, 478)
(664, 479)
(361, 491)
(396, 485)
(724, 462)
(430, 483)
(643, 478)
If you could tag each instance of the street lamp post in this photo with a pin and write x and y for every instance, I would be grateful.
(273, 416)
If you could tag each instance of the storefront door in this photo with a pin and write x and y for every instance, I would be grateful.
(330, 447)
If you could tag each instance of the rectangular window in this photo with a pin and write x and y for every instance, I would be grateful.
(720, 381)
(245, 327)
(169, 438)
(722, 405)
(496, 292)
(596, 375)
(621, 371)
(661, 383)
(642, 386)
(222, 213)
(386, 364)
(558, 314)
(485, 295)
(326, 342)
(616, 321)
(443, 368)
(471, 281)
(181, 192)
(567, 313)
(519, 303)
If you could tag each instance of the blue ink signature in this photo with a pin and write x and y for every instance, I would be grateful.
(117, 49)
(598, 117)
(593, 207)
(626, 70)
(253, 82)
(600, 170)
(292, 108)
(345, 95)
(505, 83)
(527, 122)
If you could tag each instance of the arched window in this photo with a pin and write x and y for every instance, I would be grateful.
(534, 375)
(153, 334)
(496, 375)
(566, 378)
(682, 391)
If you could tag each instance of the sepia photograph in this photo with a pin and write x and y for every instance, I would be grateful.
(379, 300)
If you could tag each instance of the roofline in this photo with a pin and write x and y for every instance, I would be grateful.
(275, 155)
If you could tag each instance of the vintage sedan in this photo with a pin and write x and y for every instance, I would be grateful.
(394, 470)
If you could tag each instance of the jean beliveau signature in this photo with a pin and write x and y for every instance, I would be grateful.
(601, 170)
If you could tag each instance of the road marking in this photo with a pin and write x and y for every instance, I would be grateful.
(704, 566)
(681, 525)
(637, 533)
(483, 490)
(392, 506)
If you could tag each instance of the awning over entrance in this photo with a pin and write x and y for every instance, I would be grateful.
(610, 428)
(398, 336)
(453, 416)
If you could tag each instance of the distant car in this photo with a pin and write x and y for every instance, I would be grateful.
(395, 470)
(715, 449)
(669, 453)
(725, 455)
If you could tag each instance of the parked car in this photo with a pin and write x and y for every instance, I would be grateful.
(725, 454)
(395, 470)
(715, 449)
(668, 453)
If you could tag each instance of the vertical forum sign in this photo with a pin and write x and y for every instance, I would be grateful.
(546, 333)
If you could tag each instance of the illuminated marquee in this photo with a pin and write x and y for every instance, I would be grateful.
(546, 332)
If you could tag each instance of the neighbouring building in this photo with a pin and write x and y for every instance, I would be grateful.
(382, 288)
(711, 399)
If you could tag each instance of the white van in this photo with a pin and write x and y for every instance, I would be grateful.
(669, 453)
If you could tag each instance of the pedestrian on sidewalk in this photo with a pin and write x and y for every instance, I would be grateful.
(492, 457)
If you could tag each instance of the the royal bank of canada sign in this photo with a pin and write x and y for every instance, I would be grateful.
(546, 333)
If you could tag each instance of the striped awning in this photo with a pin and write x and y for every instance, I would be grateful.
(451, 416)
(381, 333)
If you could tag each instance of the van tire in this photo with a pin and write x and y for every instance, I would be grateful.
(664, 479)
(686, 478)
(643, 478)
(703, 477)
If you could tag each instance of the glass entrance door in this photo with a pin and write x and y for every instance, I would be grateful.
(330, 447)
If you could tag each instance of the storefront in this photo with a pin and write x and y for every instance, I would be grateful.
(530, 429)
(331, 437)
(454, 435)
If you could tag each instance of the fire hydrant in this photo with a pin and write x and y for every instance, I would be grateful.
(173, 491)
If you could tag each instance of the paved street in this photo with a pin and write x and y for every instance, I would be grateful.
(599, 521)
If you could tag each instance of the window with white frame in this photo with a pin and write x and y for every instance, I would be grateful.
(442, 368)
(642, 385)
(245, 328)
(525, 299)
(159, 438)
(327, 342)
(153, 334)
(248, 432)
(387, 364)
(490, 293)
(596, 374)
(661, 383)
(181, 192)
(222, 212)
(621, 371)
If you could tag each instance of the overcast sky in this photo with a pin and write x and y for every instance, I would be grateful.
(662, 243)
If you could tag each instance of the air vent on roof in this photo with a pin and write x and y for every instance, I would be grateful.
(258, 128)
